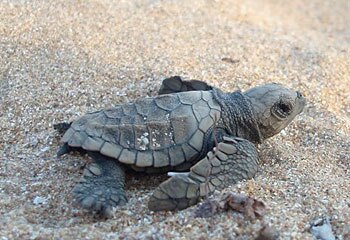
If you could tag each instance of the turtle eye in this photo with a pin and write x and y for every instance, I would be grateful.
(283, 109)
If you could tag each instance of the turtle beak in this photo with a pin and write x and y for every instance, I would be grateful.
(301, 101)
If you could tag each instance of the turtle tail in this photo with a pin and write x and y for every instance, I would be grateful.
(64, 149)
(61, 129)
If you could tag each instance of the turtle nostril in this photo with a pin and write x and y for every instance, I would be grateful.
(299, 95)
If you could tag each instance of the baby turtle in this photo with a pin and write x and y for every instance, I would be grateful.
(190, 126)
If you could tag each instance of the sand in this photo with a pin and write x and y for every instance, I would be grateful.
(61, 59)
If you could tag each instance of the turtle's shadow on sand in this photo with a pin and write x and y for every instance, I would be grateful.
(141, 180)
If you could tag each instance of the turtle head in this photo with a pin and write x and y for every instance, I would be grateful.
(275, 107)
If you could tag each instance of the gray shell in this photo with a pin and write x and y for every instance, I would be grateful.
(162, 131)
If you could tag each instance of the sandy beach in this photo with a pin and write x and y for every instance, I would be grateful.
(61, 59)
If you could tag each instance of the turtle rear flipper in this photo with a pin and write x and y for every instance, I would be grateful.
(101, 189)
(234, 159)
(176, 84)
(62, 127)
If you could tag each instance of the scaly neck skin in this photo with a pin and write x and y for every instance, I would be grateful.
(237, 116)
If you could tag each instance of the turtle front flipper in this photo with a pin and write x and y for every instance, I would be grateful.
(101, 188)
(233, 160)
(176, 84)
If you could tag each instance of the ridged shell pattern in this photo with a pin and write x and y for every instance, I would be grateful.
(166, 130)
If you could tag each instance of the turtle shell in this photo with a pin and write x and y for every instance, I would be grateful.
(162, 131)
